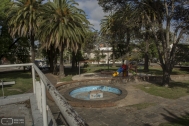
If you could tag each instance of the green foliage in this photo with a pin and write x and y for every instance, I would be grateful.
(145, 21)
(3, 7)
(182, 53)
(99, 55)
(65, 27)
(79, 56)
(90, 39)
(21, 51)
(67, 78)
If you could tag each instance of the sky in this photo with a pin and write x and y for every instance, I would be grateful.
(93, 11)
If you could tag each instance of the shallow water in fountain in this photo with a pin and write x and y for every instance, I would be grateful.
(85, 96)
(98, 92)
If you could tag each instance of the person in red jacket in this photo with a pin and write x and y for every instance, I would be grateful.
(124, 66)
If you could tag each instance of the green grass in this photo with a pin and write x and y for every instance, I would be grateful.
(99, 68)
(158, 71)
(23, 83)
(176, 90)
(67, 78)
(142, 105)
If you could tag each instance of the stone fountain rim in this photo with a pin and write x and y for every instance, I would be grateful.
(97, 103)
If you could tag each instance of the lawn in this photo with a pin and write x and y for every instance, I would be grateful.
(176, 90)
(23, 82)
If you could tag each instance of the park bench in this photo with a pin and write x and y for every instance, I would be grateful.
(6, 83)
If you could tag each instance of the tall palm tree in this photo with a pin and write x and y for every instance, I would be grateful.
(62, 25)
(22, 20)
(120, 25)
(147, 8)
(107, 30)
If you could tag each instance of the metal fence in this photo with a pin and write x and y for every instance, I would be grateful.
(39, 89)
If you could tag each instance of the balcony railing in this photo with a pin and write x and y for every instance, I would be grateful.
(39, 90)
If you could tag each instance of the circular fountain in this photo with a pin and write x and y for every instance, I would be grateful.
(95, 92)
(94, 95)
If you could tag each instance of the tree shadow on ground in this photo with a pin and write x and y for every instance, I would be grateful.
(175, 120)
(174, 84)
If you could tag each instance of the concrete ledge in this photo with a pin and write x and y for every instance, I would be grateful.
(15, 98)
(37, 116)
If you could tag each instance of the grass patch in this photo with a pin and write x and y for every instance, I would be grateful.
(179, 121)
(158, 71)
(99, 68)
(142, 105)
(177, 89)
(67, 78)
(23, 83)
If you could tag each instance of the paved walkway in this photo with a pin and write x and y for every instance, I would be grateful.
(160, 110)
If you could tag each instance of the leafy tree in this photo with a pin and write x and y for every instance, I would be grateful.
(172, 17)
(112, 5)
(90, 41)
(76, 57)
(99, 55)
(163, 38)
(182, 53)
(146, 8)
(22, 20)
(21, 51)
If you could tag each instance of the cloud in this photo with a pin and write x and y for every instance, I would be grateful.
(95, 24)
(93, 10)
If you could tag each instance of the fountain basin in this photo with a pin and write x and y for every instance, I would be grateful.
(94, 92)
(80, 96)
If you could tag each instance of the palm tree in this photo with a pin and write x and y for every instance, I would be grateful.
(107, 30)
(65, 26)
(146, 8)
(119, 26)
(22, 20)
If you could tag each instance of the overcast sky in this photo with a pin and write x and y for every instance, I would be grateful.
(93, 10)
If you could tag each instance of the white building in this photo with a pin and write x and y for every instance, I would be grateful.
(106, 51)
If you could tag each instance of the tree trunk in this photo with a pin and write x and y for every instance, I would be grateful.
(73, 60)
(146, 62)
(166, 77)
(113, 56)
(32, 49)
(50, 58)
(61, 70)
(146, 55)
(55, 67)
